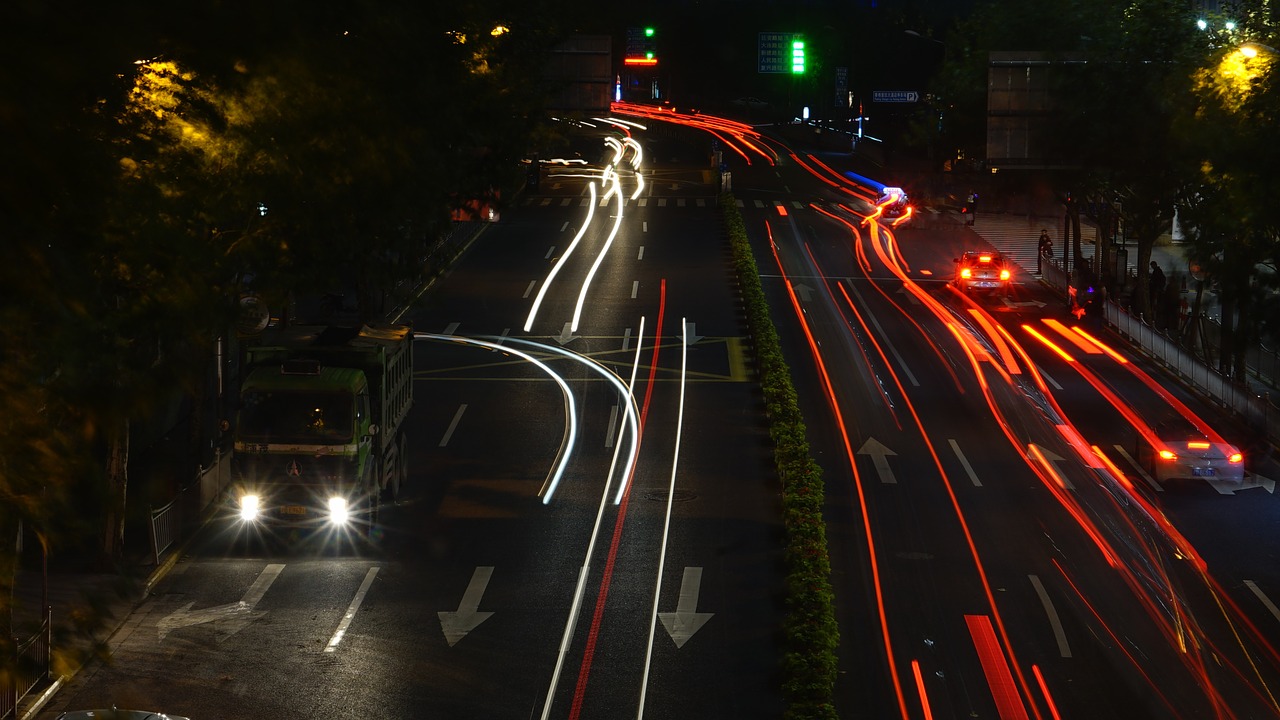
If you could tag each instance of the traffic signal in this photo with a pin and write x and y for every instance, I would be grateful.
(797, 56)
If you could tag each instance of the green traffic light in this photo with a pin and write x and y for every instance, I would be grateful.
(648, 32)
(797, 57)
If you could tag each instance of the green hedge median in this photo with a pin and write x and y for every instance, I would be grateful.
(811, 634)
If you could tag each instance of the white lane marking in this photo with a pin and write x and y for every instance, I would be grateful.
(666, 525)
(1142, 473)
(503, 336)
(457, 417)
(1275, 611)
(644, 226)
(641, 255)
(532, 284)
(635, 288)
(1048, 378)
(613, 423)
(565, 226)
(884, 337)
(955, 447)
(626, 339)
(550, 251)
(351, 610)
(1058, 633)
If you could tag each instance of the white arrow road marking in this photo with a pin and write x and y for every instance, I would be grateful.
(879, 455)
(566, 335)
(1229, 487)
(685, 621)
(1052, 458)
(466, 618)
(804, 291)
(351, 610)
(232, 617)
(691, 336)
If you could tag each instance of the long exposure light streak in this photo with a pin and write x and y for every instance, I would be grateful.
(542, 291)
(666, 523)
(623, 390)
(571, 420)
(586, 283)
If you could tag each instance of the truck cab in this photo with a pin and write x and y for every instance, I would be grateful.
(317, 433)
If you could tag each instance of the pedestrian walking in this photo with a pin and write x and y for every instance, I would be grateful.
(1046, 250)
(1155, 285)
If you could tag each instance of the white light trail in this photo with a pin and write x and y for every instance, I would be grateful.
(571, 426)
(620, 121)
(666, 525)
(617, 222)
(580, 589)
(537, 302)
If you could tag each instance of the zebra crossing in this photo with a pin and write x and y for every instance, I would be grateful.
(1017, 237)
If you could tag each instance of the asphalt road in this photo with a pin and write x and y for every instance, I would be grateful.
(987, 562)
(505, 583)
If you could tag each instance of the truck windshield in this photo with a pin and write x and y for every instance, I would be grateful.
(295, 417)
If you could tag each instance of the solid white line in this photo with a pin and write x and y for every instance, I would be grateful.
(453, 425)
(580, 590)
(351, 610)
(635, 288)
(885, 338)
(1058, 633)
(532, 284)
(955, 447)
(666, 524)
(1275, 611)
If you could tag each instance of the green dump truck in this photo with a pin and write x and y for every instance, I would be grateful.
(319, 431)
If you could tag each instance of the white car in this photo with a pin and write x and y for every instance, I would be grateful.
(1195, 458)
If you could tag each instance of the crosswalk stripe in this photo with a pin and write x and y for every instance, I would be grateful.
(1019, 240)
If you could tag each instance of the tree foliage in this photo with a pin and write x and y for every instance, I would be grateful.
(160, 164)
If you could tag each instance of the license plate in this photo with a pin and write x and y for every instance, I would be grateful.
(293, 510)
(1203, 472)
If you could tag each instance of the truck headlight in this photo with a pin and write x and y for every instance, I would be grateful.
(338, 511)
(249, 505)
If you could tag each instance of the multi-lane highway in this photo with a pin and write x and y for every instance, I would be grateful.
(591, 525)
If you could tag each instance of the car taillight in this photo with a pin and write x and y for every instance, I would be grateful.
(1168, 455)
(965, 273)
(1235, 458)
(1004, 274)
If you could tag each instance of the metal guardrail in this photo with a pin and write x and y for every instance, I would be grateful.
(31, 666)
(1257, 409)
